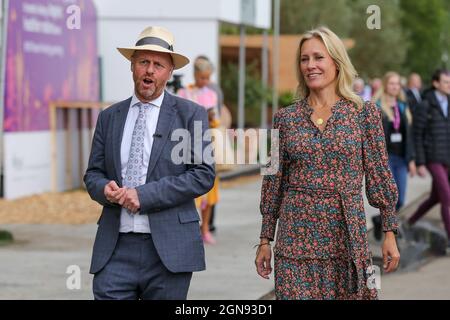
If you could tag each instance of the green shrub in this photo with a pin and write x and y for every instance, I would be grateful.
(5, 237)
(254, 92)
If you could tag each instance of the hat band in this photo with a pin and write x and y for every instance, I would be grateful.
(155, 41)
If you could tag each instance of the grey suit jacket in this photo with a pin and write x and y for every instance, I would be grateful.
(167, 197)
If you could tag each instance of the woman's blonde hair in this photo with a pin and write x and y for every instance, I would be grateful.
(383, 97)
(203, 64)
(346, 71)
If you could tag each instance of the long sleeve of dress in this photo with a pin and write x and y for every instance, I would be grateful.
(381, 189)
(274, 185)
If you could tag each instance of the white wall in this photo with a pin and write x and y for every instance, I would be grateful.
(263, 14)
(29, 170)
(194, 23)
(199, 37)
(230, 11)
(156, 9)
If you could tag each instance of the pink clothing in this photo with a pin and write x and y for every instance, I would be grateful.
(205, 96)
(396, 117)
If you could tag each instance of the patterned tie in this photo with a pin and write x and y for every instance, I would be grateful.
(136, 155)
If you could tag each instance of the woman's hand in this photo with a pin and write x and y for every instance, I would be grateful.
(412, 168)
(391, 256)
(263, 259)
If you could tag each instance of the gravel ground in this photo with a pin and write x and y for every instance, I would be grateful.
(74, 207)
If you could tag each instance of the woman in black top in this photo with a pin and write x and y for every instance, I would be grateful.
(397, 124)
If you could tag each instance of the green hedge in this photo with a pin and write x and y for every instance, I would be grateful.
(5, 237)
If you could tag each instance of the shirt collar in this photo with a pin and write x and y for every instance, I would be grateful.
(440, 97)
(156, 102)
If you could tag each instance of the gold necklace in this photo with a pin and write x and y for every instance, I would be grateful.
(319, 120)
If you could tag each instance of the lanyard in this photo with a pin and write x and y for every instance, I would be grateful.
(396, 117)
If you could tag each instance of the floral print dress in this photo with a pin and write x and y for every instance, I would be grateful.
(321, 249)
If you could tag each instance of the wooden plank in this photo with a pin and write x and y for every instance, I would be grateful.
(53, 128)
(80, 144)
(68, 149)
(65, 107)
(81, 105)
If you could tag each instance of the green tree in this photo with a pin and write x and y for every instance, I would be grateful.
(254, 91)
(377, 51)
(298, 16)
(427, 22)
(446, 35)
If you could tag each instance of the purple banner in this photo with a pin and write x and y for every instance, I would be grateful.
(51, 54)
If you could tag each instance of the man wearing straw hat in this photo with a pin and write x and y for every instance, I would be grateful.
(148, 240)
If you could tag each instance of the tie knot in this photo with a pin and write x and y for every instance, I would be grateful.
(142, 106)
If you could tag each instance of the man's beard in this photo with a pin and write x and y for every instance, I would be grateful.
(146, 93)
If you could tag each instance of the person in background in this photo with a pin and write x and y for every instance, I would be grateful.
(403, 82)
(202, 94)
(361, 89)
(432, 143)
(220, 109)
(397, 125)
(212, 85)
(413, 92)
(375, 86)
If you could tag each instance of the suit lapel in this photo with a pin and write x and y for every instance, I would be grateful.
(120, 117)
(416, 96)
(163, 130)
(437, 105)
(448, 109)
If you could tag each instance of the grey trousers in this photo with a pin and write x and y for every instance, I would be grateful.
(135, 271)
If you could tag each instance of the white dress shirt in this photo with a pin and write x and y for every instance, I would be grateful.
(416, 94)
(136, 222)
(443, 102)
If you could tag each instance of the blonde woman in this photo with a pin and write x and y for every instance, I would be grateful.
(397, 124)
(328, 142)
(202, 94)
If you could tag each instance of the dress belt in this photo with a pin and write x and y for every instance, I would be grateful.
(327, 191)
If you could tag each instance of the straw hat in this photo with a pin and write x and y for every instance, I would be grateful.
(156, 39)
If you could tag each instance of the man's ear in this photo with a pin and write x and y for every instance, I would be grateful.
(435, 84)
